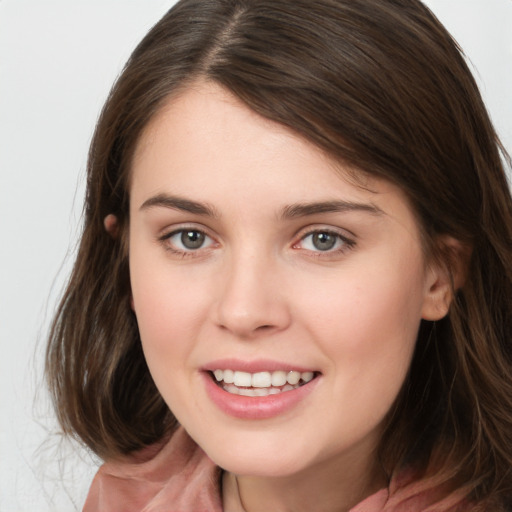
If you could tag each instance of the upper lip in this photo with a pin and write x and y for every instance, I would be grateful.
(254, 366)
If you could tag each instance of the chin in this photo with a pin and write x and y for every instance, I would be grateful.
(263, 467)
(258, 458)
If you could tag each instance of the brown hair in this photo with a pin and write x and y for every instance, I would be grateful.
(379, 85)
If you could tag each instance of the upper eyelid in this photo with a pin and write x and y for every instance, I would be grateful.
(319, 228)
(299, 235)
(165, 235)
(191, 226)
(164, 240)
(346, 240)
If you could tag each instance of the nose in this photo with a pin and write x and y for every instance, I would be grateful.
(252, 299)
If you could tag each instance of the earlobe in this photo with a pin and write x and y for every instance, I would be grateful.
(437, 300)
(447, 274)
(111, 225)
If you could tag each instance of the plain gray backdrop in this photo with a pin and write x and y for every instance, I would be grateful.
(58, 60)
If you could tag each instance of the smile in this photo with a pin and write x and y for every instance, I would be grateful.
(260, 389)
(261, 383)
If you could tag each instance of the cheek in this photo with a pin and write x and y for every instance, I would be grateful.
(381, 294)
(168, 316)
(368, 326)
(169, 306)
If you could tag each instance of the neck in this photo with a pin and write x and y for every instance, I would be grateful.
(323, 488)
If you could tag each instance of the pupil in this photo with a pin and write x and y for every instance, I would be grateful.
(192, 239)
(324, 241)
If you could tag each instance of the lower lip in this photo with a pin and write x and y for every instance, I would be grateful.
(256, 407)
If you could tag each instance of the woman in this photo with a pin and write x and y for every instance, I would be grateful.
(297, 245)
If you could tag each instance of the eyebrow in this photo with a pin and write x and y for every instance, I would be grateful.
(179, 203)
(292, 211)
(306, 209)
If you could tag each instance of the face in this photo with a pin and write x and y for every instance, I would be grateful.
(278, 302)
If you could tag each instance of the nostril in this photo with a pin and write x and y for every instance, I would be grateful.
(264, 327)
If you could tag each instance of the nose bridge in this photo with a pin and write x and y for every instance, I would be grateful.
(251, 300)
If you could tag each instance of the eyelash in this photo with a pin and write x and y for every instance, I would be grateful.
(186, 252)
(345, 244)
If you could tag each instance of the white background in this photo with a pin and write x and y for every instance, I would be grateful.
(58, 60)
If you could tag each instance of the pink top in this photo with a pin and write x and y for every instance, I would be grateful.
(178, 477)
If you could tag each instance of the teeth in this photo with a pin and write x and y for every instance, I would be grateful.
(293, 378)
(306, 376)
(278, 378)
(261, 380)
(243, 379)
(229, 376)
(231, 388)
(257, 391)
(260, 383)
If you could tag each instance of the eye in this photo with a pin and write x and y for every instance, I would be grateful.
(324, 241)
(187, 240)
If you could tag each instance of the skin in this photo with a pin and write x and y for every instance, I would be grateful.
(259, 288)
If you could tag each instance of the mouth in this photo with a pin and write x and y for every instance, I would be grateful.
(262, 383)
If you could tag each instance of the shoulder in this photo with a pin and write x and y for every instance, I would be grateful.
(408, 492)
(174, 472)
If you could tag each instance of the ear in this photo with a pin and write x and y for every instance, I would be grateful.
(111, 225)
(446, 274)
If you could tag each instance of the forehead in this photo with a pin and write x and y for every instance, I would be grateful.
(205, 144)
(211, 117)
